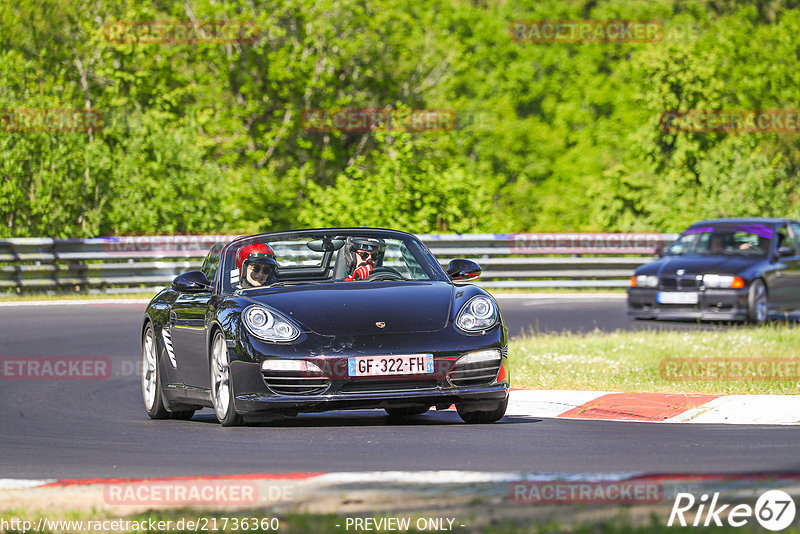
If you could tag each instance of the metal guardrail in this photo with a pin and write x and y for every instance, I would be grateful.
(144, 263)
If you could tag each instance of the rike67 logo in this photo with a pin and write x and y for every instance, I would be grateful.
(774, 510)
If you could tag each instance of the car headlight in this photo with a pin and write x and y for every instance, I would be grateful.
(269, 325)
(479, 313)
(722, 281)
(644, 280)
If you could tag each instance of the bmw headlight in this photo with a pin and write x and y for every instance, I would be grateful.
(479, 313)
(716, 281)
(269, 325)
(644, 280)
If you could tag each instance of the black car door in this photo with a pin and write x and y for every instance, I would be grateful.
(783, 285)
(792, 277)
(188, 326)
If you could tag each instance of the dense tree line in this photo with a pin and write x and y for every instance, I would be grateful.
(210, 137)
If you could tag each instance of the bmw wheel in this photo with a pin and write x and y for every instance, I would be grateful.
(489, 416)
(221, 389)
(757, 302)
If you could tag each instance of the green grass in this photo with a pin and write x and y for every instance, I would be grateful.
(630, 361)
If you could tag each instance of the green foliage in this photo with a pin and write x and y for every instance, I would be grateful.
(556, 137)
(406, 187)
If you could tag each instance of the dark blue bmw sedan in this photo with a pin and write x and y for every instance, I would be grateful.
(722, 269)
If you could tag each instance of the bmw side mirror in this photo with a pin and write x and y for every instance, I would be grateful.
(461, 269)
(191, 282)
(786, 251)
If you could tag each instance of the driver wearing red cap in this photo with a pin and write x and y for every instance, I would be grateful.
(256, 265)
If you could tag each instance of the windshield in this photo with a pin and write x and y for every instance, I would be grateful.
(315, 258)
(739, 239)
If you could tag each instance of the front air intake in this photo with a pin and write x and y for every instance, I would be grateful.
(294, 377)
(476, 368)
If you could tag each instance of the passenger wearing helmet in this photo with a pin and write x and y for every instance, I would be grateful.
(256, 264)
(363, 254)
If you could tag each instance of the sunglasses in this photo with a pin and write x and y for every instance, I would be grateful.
(258, 269)
(364, 254)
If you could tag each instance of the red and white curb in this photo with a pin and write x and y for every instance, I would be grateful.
(657, 407)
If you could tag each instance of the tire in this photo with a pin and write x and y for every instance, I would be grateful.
(151, 377)
(757, 302)
(405, 412)
(221, 390)
(490, 416)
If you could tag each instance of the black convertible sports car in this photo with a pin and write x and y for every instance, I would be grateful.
(722, 269)
(329, 319)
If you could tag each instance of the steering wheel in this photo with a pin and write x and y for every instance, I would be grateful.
(384, 273)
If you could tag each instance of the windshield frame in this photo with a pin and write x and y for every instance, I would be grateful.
(726, 231)
(417, 248)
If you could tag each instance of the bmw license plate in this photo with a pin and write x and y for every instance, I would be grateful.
(667, 297)
(400, 364)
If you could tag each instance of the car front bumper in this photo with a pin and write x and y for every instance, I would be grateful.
(712, 305)
(252, 396)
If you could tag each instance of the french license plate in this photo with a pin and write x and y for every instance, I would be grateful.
(400, 364)
(666, 297)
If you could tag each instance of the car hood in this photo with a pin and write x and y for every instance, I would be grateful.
(694, 264)
(356, 308)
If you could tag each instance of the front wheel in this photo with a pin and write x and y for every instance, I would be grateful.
(151, 378)
(151, 382)
(489, 416)
(757, 302)
(221, 389)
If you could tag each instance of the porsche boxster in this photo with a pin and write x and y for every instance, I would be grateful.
(283, 323)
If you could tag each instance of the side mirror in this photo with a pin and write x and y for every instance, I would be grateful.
(786, 251)
(461, 269)
(191, 282)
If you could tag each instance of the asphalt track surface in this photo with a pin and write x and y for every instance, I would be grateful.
(98, 428)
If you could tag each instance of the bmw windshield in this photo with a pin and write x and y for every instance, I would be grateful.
(725, 239)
